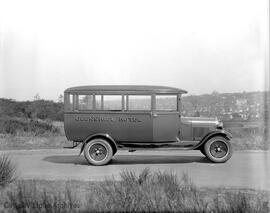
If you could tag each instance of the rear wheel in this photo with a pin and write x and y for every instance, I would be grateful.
(218, 149)
(98, 152)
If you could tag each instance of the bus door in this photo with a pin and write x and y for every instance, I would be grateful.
(136, 122)
(166, 118)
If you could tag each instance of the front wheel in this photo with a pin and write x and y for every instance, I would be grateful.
(218, 149)
(98, 152)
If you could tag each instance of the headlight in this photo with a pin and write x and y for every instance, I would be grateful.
(220, 125)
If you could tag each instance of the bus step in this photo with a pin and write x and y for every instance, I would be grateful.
(74, 145)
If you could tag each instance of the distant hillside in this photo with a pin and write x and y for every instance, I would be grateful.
(227, 106)
(39, 109)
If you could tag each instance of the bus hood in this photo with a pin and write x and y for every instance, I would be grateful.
(201, 121)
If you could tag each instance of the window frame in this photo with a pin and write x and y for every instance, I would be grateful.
(112, 110)
(93, 102)
(124, 99)
(139, 110)
(69, 102)
(164, 110)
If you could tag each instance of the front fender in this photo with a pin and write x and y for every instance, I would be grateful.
(102, 135)
(216, 132)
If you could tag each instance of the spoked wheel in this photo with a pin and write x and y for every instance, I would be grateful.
(218, 149)
(98, 152)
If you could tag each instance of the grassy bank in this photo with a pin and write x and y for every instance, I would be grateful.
(9, 142)
(145, 192)
(27, 127)
(250, 143)
(18, 133)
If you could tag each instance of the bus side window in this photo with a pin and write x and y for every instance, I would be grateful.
(112, 102)
(139, 102)
(85, 102)
(99, 102)
(69, 102)
(166, 102)
(124, 102)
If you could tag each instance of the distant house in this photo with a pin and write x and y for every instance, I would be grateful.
(255, 115)
(241, 102)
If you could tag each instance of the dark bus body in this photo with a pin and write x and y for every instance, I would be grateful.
(136, 117)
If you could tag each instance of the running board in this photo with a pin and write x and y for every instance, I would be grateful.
(74, 145)
(187, 145)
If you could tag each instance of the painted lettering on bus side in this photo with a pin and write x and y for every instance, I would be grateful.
(129, 119)
(108, 119)
(94, 119)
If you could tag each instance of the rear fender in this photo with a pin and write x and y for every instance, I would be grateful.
(100, 135)
(216, 132)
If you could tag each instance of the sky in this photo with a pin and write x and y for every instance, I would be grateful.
(200, 46)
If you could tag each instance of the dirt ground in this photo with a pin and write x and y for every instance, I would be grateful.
(246, 169)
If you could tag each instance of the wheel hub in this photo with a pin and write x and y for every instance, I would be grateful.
(218, 149)
(98, 152)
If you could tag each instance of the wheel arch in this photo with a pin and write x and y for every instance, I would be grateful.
(212, 134)
(104, 136)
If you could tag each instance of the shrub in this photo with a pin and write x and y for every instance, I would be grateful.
(241, 203)
(7, 171)
(29, 198)
(15, 126)
(39, 109)
(165, 192)
(145, 192)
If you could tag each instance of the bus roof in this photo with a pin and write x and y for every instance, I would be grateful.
(125, 88)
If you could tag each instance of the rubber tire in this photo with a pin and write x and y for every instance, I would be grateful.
(108, 149)
(215, 159)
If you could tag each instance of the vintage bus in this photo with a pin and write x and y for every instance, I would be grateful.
(107, 118)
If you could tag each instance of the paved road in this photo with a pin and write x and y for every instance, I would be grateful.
(245, 169)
